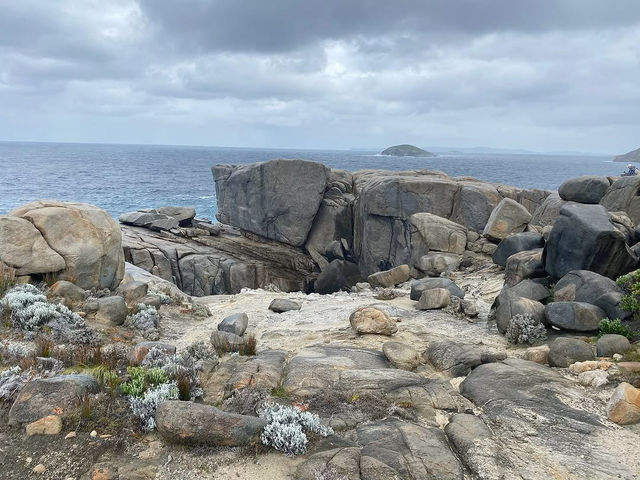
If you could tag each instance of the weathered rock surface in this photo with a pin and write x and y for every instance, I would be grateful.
(419, 286)
(111, 310)
(281, 305)
(585, 189)
(431, 232)
(149, 219)
(530, 289)
(564, 351)
(390, 278)
(624, 406)
(610, 344)
(591, 287)
(193, 423)
(524, 265)
(508, 217)
(338, 275)
(22, 247)
(277, 199)
(224, 341)
(401, 355)
(622, 196)
(49, 425)
(435, 263)
(388, 449)
(434, 298)
(372, 320)
(67, 294)
(510, 306)
(585, 238)
(518, 242)
(458, 359)
(577, 316)
(264, 371)
(44, 397)
(85, 236)
(547, 213)
(134, 291)
(564, 440)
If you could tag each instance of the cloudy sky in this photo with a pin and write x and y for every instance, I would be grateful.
(542, 75)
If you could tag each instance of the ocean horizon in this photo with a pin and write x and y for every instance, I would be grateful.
(123, 177)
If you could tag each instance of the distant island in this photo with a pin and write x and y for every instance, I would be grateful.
(407, 151)
(628, 157)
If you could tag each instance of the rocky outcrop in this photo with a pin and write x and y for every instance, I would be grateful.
(548, 211)
(631, 157)
(406, 150)
(508, 217)
(623, 196)
(76, 242)
(585, 189)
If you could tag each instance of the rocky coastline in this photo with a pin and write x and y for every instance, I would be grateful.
(375, 324)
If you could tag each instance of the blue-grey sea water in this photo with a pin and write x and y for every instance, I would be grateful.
(121, 178)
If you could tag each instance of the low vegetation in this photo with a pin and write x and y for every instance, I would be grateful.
(525, 329)
(615, 326)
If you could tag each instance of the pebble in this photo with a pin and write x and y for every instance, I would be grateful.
(40, 468)
(29, 460)
(70, 435)
(93, 434)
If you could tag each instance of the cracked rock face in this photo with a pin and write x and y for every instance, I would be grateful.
(77, 242)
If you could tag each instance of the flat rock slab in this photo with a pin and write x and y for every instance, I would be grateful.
(57, 395)
(458, 359)
(388, 449)
(264, 371)
(538, 418)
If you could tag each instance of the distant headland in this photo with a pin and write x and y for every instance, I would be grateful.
(630, 157)
(407, 151)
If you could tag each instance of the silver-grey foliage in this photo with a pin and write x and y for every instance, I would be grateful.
(145, 322)
(145, 407)
(176, 365)
(525, 329)
(285, 429)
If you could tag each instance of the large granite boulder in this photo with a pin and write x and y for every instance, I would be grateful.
(278, 199)
(577, 316)
(524, 265)
(23, 248)
(624, 196)
(508, 217)
(149, 219)
(431, 232)
(510, 306)
(85, 236)
(585, 238)
(565, 351)
(518, 242)
(435, 263)
(593, 288)
(585, 189)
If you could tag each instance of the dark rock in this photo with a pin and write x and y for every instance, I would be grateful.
(547, 213)
(518, 242)
(457, 359)
(510, 306)
(236, 323)
(281, 305)
(578, 316)
(593, 288)
(338, 275)
(44, 396)
(531, 289)
(419, 286)
(565, 351)
(524, 265)
(584, 238)
(610, 344)
(278, 199)
(194, 423)
(334, 251)
(585, 189)
(111, 310)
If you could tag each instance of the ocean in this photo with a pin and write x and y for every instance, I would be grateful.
(121, 178)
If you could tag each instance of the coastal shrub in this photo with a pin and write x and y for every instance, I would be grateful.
(248, 348)
(11, 382)
(202, 351)
(29, 311)
(179, 367)
(246, 401)
(145, 322)
(145, 407)
(525, 329)
(630, 302)
(7, 278)
(615, 326)
(286, 426)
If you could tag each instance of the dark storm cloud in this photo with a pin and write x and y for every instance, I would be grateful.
(547, 74)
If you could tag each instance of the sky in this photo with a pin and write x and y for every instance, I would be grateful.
(544, 75)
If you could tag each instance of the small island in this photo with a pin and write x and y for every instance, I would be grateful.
(630, 157)
(407, 151)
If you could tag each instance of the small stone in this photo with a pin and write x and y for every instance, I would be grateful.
(538, 354)
(93, 434)
(624, 406)
(434, 298)
(49, 425)
(617, 357)
(469, 308)
(29, 460)
(236, 324)
(593, 378)
(564, 351)
(39, 469)
(611, 344)
(372, 320)
(390, 278)
(70, 435)
(580, 367)
(281, 305)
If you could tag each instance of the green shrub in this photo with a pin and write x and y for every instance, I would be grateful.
(615, 326)
(136, 386)
(630, 282)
